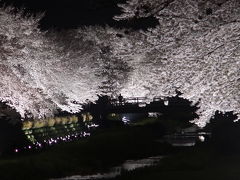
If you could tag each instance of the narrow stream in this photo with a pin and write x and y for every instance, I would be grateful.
(129, 165)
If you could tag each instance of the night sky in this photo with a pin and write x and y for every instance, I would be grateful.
(68, 14)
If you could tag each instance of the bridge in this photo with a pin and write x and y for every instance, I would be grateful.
(139, 101)
(139, 105)
(136, 104)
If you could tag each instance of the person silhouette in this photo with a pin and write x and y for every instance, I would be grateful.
(120, 99)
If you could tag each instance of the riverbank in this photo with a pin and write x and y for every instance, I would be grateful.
(199, 162)
(104, 149)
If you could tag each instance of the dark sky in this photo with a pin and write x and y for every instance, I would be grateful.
(70, 13)
(65, 14)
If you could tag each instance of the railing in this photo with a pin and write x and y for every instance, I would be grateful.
(135, 100)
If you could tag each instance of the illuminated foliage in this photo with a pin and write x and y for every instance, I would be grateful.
(195, 49)
(51, 122)
(20, 39)
(39, 124)
(87, 117)
(47, 132)
(108, 44)
(39, 73)
(27, 125)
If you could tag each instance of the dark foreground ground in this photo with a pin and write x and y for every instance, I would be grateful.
(110, 147)
(104, 149)
(198, 163)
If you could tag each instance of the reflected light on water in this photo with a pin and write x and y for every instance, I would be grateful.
(129, 165)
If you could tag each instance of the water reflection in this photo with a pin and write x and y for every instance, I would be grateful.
(185, 139)
(129, 165)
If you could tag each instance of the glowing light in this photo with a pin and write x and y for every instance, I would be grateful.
(201, 138)
(92, 125)
(125, 120)
(166, 103)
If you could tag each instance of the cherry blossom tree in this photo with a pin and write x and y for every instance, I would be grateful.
(114, 69)
(39, 74)
(19, 41)
(195, 49)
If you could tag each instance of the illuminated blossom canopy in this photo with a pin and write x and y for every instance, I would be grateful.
(38, 76)
(194, 49)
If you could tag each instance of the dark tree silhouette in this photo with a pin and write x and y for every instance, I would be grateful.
(178, 112)
(11, 134)
(225, 131)
(99, 109)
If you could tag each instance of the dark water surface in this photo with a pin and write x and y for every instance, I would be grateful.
(129, 165)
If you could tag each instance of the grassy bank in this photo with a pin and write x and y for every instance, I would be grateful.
(97, 153)
(191, 163)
